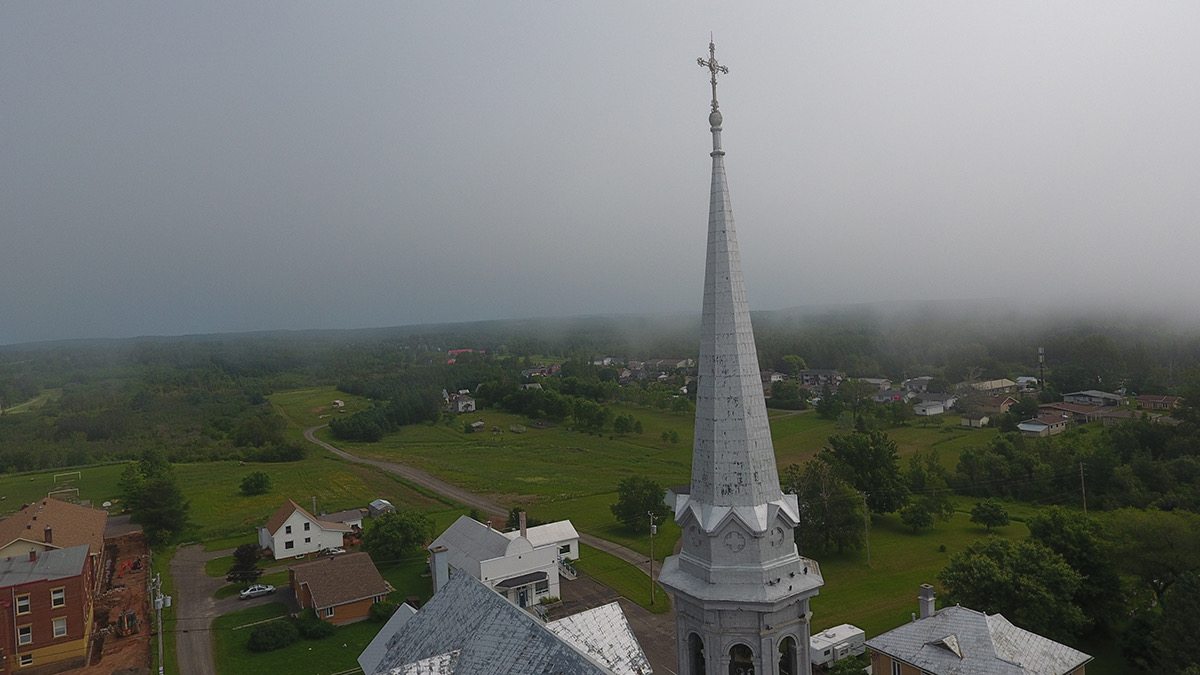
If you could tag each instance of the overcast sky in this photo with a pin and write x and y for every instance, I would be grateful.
(201, 167)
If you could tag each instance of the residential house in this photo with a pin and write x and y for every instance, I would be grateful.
(947, 400)
(463, 404)
(47, 624)
(510, 565)
(1114, 416)
(352, 518)
(770, 377)
(1045, 425)
(1151, 402)
(815, 377)
(1093, 397)
(877, 382)
(889, 395)
(918, 384)
(996, 405)
(975, 420)
(292, 531)
(466, 628)
(926, 408)
(561, 534)
(1028, 383)
(957, 640)
(339, 588)
(532, 385)
(1081, 414)
(667, 365)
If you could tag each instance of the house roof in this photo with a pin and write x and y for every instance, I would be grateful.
(339, 579)
(70, 525)
(289, 507)
(1152, 398)
(550, 533)
(1094, 393)
(341, 517)
(469, 542)
(54, 564)
(1076, 408)
(492, 637)
(375, 651)
(962, 641)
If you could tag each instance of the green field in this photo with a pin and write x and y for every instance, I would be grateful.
(95, 483)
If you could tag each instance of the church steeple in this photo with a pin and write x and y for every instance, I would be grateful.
(741, 590)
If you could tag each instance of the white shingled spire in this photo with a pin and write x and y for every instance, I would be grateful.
(738, 557)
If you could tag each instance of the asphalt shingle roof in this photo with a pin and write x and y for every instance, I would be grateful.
(339, 579)
(962, 641)
(70, 525)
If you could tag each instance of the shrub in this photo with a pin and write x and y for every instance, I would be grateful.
(312, 628)
(382, 611)
(272, 635)
(257, 483)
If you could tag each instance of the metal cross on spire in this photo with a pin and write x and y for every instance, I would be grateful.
(714, 68)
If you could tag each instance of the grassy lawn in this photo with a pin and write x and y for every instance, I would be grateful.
(303, 657)
(221, 511)
(97, 483)
(622, 578)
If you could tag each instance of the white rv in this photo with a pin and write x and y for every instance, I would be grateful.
(830, 646)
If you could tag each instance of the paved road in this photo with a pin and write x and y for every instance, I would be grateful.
(195, 608)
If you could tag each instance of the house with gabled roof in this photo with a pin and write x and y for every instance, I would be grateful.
(339, 588)
(293, 531)
(465, 628)
(509, 563)
(1152, 402)
(958, 640)
(1044, 425)
(1093, 397)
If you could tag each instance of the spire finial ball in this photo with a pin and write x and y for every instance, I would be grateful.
(714, 118)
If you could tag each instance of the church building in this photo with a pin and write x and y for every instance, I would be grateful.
(741, 591)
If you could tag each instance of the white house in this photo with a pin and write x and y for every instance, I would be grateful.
(929, 408)
(1093, 397)
(508, 563)
(464, 404)
(292, 531)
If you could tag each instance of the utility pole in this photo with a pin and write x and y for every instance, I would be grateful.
(867, 526)
(1042, 368)
(653, 529)
(1082, 488)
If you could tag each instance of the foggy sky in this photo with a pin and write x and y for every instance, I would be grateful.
(201, 167)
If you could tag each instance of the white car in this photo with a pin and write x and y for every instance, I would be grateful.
(332, 551)
(256, 590)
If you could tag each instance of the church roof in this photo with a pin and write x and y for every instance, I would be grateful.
(962, 641)
(604, 634)
(491, 636)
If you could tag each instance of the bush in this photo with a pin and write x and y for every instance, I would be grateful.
(257, 483)
(382, 611)
(312, 628)
(272, 635)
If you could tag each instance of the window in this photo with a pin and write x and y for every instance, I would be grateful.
(26, 660)
(287, 529)
(289, 544)
(896, 668)
(25, 635)
(564, 549)
(308, 540)
(23, 604)
(306, 526)
(60, 627)
(329, 613)
(58, 597)
(542, 587)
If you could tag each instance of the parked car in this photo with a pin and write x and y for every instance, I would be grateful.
(332, 551)
(256, 590)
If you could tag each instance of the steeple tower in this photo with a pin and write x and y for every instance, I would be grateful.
(741, 590)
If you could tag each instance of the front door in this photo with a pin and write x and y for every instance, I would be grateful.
(521, 597)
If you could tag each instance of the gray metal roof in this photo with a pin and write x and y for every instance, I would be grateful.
(468, 542)
(604, 634)
(375, 651)
(50, 565)
(491, 635)
(962, 641)
(550, 533)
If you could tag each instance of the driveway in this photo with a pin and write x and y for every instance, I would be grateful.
(195, 607)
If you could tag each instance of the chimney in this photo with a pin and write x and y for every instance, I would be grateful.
(522, 524)
(441, 567)
(32, 555)
(926, 601)
(49, 535)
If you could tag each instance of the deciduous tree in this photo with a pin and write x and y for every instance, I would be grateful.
(394, 535)
(869, 462)
(831, 512)
(637, 497)
(989, 513)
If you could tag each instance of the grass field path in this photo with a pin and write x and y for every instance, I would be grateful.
(470, 499)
